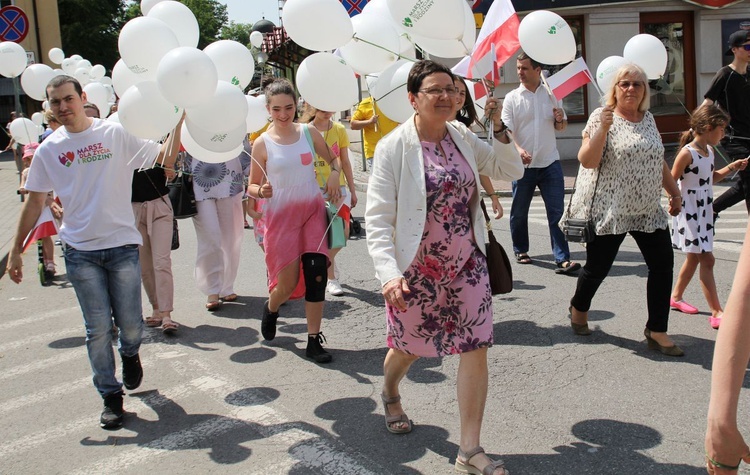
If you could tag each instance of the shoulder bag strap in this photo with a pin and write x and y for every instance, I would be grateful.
(596, 183)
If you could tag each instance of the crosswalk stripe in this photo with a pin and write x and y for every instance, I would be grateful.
(44, 337)
(37, 318)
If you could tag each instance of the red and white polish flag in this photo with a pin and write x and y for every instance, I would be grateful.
(499, 33)
(569, 78)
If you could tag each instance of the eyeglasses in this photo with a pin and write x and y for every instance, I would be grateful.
(438, 91)
(745, 47)
(625, 85)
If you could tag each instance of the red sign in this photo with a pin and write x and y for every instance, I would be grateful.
(14, 24)
(713, 4)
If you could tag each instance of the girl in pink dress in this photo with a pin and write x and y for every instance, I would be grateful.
(283, 175)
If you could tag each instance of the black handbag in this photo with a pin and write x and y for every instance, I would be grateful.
(583, 230)
(175, 235)
(182, 196)
(498, 264)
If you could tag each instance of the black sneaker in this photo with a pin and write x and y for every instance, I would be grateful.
(315, 349)
(132, 372)
(111, 417)
(268, 324)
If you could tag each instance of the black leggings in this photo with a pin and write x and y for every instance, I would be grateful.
(656, 248)
(735, 150)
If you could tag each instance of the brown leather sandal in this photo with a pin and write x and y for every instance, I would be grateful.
(463, 466)
(390, 420)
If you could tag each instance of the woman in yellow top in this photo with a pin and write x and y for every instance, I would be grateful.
(335, 137)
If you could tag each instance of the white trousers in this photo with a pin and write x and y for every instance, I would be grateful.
(218, 228)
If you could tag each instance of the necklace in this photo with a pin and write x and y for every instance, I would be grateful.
(703, 150)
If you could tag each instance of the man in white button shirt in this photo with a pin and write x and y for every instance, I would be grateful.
(533, 117)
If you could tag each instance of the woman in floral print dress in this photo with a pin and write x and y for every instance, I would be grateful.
(425, 234)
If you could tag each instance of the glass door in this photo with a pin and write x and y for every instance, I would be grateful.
(673, 95)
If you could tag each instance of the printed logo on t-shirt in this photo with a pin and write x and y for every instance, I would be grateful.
(66, 158)
(306, 158)
(93, 153)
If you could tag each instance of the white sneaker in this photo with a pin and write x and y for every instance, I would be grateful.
(334, 288)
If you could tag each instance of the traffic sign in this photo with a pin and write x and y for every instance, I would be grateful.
(14, 24)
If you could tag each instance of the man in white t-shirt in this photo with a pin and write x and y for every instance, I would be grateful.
(533, 117)
(89, 164)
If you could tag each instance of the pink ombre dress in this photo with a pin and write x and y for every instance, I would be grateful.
(295, 216)
(449, 308)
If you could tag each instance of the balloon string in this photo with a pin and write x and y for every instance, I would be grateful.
(355, 37)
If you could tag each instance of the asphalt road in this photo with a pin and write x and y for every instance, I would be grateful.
(216, 399)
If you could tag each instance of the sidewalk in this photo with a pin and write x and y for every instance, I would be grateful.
(10, 203)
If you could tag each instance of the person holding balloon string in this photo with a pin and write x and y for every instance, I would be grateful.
(334, 134)
(618, 187)
(283, 174)
(425, 235)
(467, 115)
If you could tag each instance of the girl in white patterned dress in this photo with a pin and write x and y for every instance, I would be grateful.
(692, 229)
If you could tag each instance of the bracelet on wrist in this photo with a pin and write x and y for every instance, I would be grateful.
(260, 192)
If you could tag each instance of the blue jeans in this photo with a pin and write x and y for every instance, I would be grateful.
(108, 286)
(552, 186)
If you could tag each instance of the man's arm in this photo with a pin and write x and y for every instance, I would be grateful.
(30, 212)
(361, 124)
(171, 147)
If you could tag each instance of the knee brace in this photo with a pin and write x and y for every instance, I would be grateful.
(314, 269)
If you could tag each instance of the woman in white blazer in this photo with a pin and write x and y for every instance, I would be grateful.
(425, 234)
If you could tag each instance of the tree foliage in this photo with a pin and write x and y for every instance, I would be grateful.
(239, 32)
(91, 27)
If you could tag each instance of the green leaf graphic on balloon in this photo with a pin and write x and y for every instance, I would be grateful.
(408, 23)
(235, 81)
(552, 30)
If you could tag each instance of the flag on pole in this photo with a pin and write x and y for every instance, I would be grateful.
(499, 32)
(569, 78)
(354, 7)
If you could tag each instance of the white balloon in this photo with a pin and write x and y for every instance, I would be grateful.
(218, 142)
(547, 38)
(34, 81)
(455, 47)
(390, 91)
(361, 53)
(76, 58)
(327, 83)
(380, 7)
(180, 19)
(147, 5)
(37, 118)
(234, 62)
(82, 74)
(442, 19)
(256, 39)
(187, 77)
(200, 153)
(302, 20)
(85, 64)
(257, 115)
(97, 72)
(605, 72)
(145, 113)
(69, 65)
(45, 105)
(56, 55)
(226, 110)
(98, 94)
(12, 59)
(123, 77)
(106, 80)
(648, 52)
(143, 42)
(114, 117)
(24, 131)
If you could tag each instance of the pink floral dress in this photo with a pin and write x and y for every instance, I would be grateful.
(449, 308)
